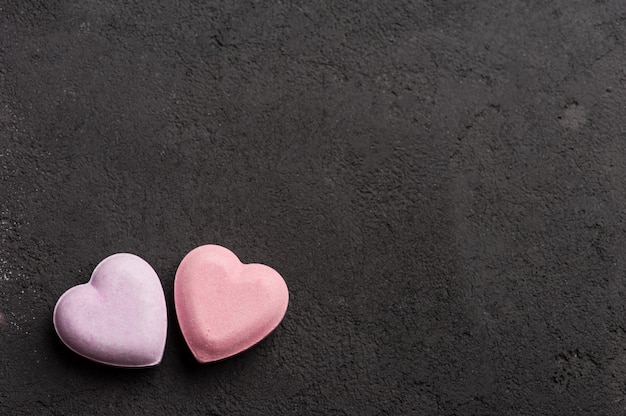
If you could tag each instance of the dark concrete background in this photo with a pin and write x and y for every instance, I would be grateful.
(441, 183)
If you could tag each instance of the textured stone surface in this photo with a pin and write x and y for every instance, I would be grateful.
(441, 184)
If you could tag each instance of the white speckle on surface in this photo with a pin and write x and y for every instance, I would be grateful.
(9, 231)
(13, 322)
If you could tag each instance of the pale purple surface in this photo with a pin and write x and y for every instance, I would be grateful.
(119, 317)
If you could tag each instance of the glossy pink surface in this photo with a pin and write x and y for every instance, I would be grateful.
(119, 317)
(224, 306)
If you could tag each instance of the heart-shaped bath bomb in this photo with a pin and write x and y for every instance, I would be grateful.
(119, 317)
(224, 306)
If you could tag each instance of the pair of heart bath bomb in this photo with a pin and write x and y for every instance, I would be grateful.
(223, 307)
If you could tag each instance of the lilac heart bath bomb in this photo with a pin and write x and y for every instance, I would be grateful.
(119, 317)
(224, 306)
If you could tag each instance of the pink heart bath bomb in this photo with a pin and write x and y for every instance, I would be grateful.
(119, 317)
(224, 306)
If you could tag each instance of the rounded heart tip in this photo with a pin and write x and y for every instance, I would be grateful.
(224, 306)
(119, 317)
